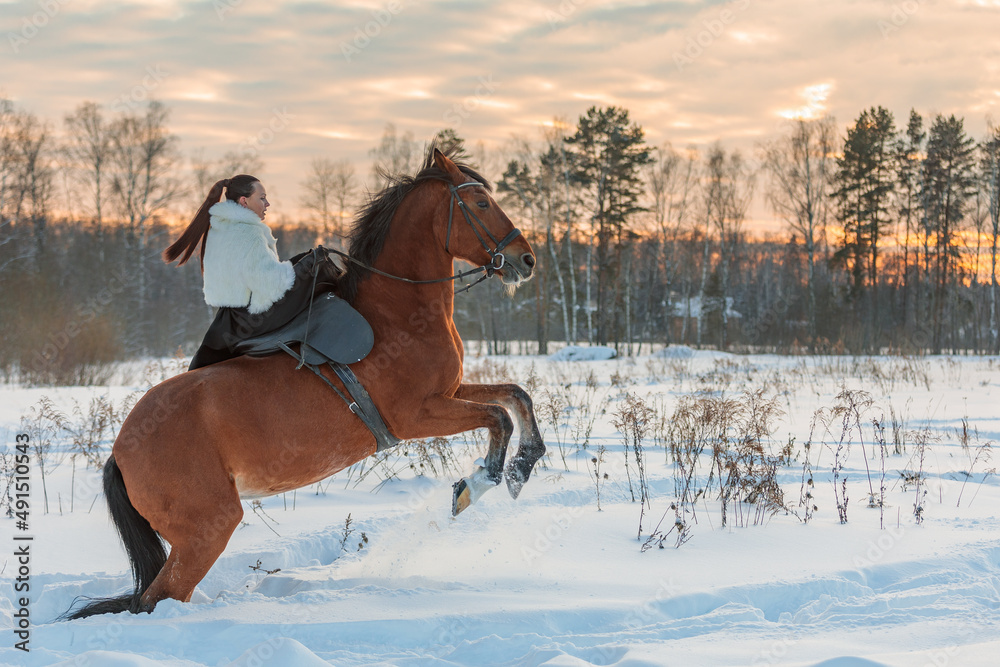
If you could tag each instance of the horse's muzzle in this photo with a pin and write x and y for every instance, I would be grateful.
(517, 268)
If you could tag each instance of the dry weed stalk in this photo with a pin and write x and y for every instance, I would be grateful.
(599, 477)
(983, 453)
(632, 419)
(427, 456)
(587, 410)
(8, 471)
(898, 429)
(44, 425)
(347, 531)
(849, 406)
(921, 439)
(748, 473)
(879, 431)
(807, 500)
(488, 372)
(696, 425)
(554, 411)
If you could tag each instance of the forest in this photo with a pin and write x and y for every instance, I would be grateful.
(888, 242)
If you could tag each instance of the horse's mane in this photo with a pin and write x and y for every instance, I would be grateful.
(371, 225)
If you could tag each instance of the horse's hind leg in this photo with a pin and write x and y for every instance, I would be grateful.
(197, 538)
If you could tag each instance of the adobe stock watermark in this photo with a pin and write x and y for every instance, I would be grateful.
(695, 45)
(140, 92)
(899, 17)
(755, 328)
(266, 652)
(364, 34)
(223, 7)
(649, 610)
(32, 25)
(278, 123)
(460, 111)
(878, 549)
(947, 655)
(774, 654)
(561, 522)
(566, 9)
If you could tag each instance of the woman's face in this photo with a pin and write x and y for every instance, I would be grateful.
(257, 202)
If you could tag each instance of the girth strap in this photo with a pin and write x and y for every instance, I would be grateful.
(364, 407)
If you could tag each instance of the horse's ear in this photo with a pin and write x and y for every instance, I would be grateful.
(446, 165)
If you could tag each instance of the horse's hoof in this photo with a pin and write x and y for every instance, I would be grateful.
(461, 497)
(514, 483)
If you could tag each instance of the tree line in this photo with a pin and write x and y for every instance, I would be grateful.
(890, 243)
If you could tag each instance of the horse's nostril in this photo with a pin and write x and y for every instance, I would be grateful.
(528, 259)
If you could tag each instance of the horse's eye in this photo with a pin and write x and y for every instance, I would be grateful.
(483, 204)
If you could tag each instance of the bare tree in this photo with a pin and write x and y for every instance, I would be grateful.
(33, 176)
(318, 187)
(87, 149)
(329, 186)
(711, 200)
(395, 154)
(145, 162)
(671, 179)
(558, 136)
(726, 195)
(800, 167)
(738, 194)
(239, 162)
(144, 180)
(7, 159)
(533, 177)
(990, 167)
(11, 194)
(207, 172)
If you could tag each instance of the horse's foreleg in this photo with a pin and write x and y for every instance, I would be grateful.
(446, 416)
(530, 447)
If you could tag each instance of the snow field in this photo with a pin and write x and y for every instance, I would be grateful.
(549, 579)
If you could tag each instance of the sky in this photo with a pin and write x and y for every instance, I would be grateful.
(291, 81)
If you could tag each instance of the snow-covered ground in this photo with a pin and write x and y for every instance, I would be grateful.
(551, 579)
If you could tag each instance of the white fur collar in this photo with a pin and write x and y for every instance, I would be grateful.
(241, 261)
(229, 211)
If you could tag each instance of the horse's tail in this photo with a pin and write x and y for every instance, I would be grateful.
(142, 544)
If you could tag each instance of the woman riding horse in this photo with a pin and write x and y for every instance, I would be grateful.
(253, 291)
(197, 445)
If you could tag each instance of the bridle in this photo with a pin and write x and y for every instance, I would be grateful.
(496, 256)
(469, 216)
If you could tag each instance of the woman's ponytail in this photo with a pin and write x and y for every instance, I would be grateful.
(197, 231)
(241, 185)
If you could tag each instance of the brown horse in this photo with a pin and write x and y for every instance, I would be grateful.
(197, 444)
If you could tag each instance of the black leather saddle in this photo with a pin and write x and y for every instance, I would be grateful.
(333, 331)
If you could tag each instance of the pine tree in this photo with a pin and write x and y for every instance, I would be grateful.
(609, 152)
(909, 169)
(990, 169)
(947, 186)
(864, 183)
(801, 168)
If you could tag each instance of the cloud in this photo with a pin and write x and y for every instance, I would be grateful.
(341, 70)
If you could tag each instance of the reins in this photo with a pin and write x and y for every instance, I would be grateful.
(488, 270)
